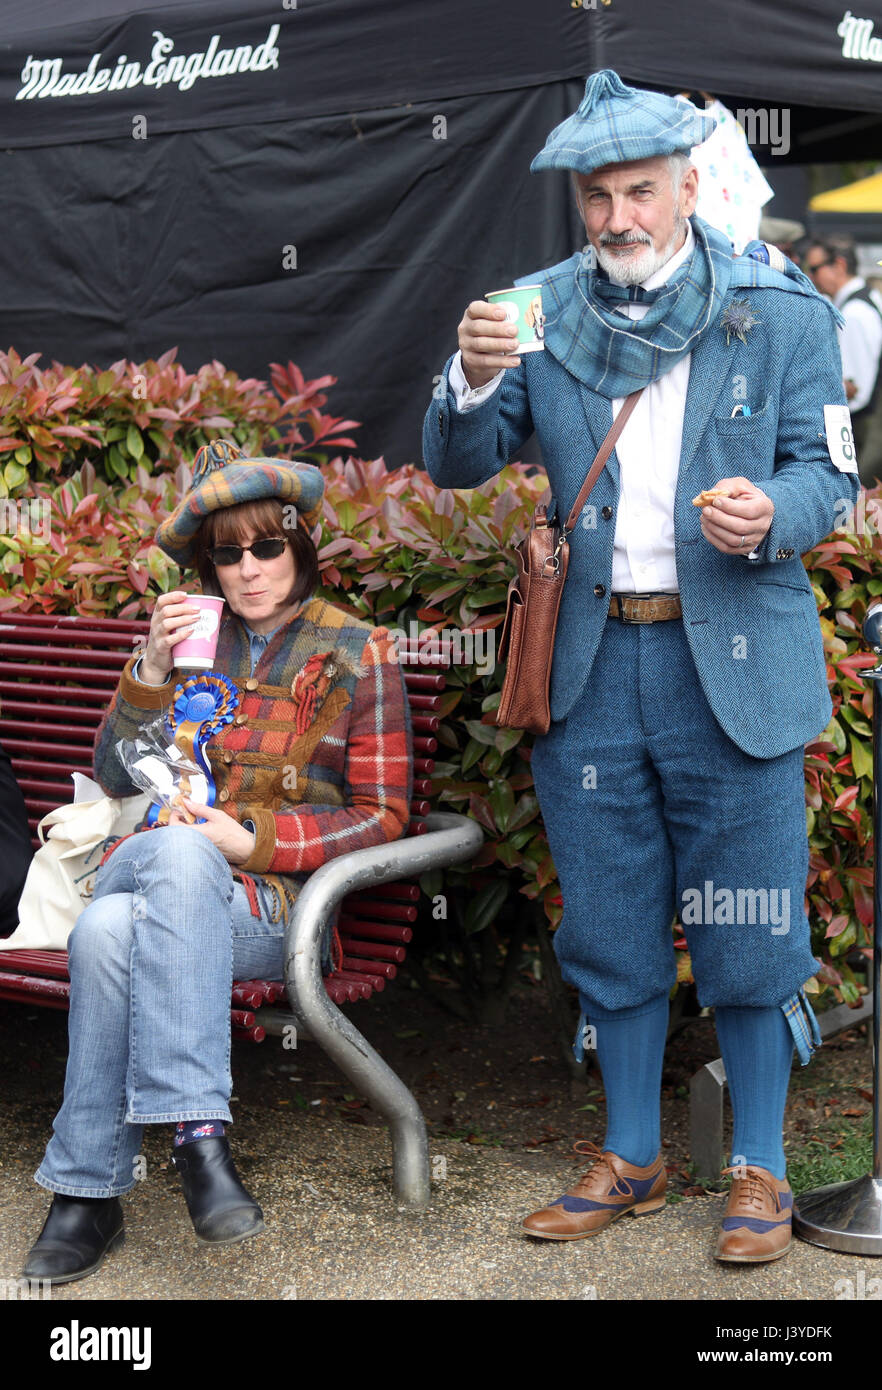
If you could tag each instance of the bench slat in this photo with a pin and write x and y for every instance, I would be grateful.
(414, 681)
(111, 660)
(372, 950)
(76, 622)
(110, 679)
(31, 996)
(44, 692)
(404, 892)
(46, 713)
(379, 911)
(385, 969)
(255, 1034)
(374, 982)
(375, 931)
(120, 643)
(53, 963)
(55, 992)
(64, 790)
(55, 750)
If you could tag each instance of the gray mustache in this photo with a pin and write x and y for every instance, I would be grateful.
(623, 239)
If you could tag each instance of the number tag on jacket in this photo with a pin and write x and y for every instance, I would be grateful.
(840, 439)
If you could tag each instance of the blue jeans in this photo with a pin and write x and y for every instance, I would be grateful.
(152, 961)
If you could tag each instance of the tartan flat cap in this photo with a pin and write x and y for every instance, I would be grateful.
(615, 123)
(223, 478)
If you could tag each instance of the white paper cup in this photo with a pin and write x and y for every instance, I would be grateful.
(523, 307)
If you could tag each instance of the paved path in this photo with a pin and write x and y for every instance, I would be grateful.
(333, 1231)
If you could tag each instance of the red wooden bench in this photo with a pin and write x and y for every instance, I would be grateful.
(56, 677)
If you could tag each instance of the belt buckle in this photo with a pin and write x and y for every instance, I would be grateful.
(627, 599)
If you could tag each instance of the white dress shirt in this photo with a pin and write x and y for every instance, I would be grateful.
(649, 460)
(861, 342)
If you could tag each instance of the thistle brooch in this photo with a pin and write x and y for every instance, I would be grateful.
(738, 319)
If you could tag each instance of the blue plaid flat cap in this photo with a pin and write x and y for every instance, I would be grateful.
(615, 123)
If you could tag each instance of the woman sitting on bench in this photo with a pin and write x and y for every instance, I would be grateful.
(317, 762)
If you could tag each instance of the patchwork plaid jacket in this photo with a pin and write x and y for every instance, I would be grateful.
(319, 756)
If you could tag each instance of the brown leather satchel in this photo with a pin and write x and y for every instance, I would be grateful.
(534, 599)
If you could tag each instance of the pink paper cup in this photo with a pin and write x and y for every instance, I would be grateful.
(196, 652)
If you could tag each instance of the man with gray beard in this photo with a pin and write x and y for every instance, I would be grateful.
(688, 669)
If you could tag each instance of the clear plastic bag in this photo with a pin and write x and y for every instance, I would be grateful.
(159, 768)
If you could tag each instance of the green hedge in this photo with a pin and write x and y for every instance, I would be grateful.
(90, 461)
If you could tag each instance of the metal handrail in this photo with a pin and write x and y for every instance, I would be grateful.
(450, 839)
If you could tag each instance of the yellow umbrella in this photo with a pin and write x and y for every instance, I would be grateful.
(863, 196)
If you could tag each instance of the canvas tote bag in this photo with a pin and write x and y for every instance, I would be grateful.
(61, 878)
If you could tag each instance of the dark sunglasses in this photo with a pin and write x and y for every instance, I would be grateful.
(818, 265)
(268, 549)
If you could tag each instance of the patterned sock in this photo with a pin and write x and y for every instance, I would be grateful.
(757, 1048)
(630, 1050)
(188, 1130)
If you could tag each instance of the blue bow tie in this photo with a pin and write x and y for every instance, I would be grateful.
(614, 294)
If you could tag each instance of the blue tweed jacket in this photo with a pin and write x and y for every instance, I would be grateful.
(774, 697)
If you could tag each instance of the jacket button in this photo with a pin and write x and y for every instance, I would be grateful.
(241, 719)
(440, 422)
(224, 795)
(606, 513)
(600, 590)
(228, 756)
(251, 683)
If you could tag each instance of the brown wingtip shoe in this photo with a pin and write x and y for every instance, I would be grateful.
(758, 1220)
(608, 1190)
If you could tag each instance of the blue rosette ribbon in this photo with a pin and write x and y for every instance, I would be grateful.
(201, 707)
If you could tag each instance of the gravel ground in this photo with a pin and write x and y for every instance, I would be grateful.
(321, 1170)
(333, 1233)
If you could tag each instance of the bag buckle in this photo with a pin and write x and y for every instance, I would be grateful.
(553, 560)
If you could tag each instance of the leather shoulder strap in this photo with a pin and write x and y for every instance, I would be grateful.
(603, 454)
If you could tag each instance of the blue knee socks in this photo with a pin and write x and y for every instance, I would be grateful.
(630, 1049)
(757, 1048)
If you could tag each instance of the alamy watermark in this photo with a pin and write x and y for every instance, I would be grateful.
(28, 516)
(21, 1288)
(429, 645)
(859, 1287)
(728, 907)
(766, 126)
(76, 1343)
(861, 518)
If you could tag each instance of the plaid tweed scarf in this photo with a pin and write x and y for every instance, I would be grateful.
(586, 332)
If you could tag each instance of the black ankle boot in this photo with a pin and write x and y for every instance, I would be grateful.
(220, 1208)
(76, 1235)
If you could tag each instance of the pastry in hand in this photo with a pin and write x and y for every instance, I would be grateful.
(705, 499)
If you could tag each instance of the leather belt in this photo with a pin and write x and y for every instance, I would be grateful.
(645, 608)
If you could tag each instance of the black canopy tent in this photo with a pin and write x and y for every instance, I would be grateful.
(331, 181)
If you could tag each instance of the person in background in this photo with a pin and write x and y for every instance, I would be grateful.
(831, 263)
(783, 233)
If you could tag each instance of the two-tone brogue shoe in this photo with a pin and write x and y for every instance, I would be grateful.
(608, 1190)
(758, 1220)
